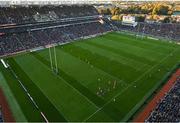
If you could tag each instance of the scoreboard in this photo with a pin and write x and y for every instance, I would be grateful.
(129, 19)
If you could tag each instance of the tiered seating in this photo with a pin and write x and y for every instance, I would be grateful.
(32, 14)
(41, 26)
(168, 110)
(166, 30)
(22, 41)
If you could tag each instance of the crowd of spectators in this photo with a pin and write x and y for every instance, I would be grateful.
(26, 28)
(21, 41)
(31, 14)
(165, 30)
(168, 110)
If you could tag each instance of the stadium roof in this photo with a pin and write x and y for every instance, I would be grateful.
(176, 13)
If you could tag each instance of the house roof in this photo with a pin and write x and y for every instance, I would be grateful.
(176, 13)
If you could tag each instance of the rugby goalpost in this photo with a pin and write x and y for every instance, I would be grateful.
(138, 34)
(53, 61)
(132, 22)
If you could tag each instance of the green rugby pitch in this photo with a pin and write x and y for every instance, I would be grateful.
(100, 79)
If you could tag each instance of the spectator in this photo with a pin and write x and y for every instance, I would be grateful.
(42, 36)
(168, 110)
(166, 30)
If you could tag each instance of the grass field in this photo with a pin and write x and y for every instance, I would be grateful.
(121, 68)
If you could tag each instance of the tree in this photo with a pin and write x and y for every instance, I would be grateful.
(160, 9)
(104, 11)
(140, 18)
(167, 20)
(115, 11)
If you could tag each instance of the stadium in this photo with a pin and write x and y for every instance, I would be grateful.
(70, 63)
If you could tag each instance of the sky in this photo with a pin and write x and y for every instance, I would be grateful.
(70, 1)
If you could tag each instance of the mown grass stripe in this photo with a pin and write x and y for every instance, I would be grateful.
(114, 56)
(151, 48)
(145, 41)
(65, 58)
(30, 112)
(137, 81)
(14, 106)
(86, 74)
(133, 50)
(110, 110)
(136, 47)
(42, 101)
(122, 52)
(109, 66)
(138, 59)
(58, 91)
